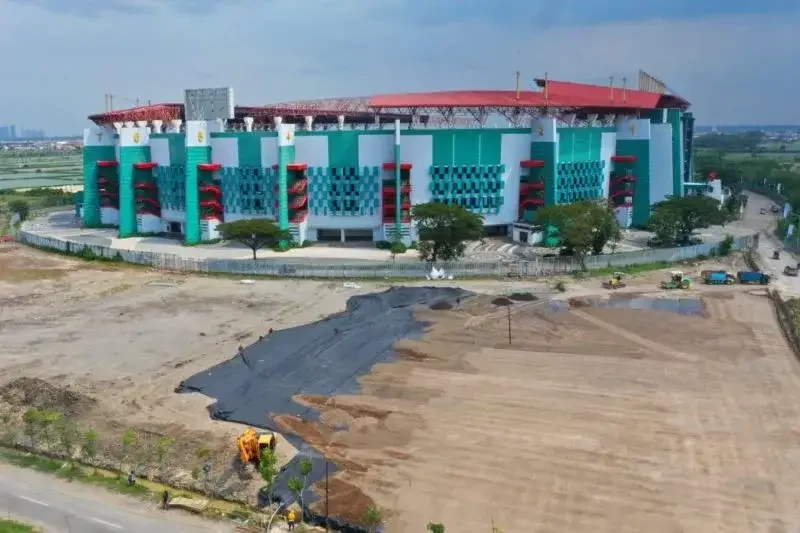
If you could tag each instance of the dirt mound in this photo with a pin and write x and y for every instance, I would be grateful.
(441, 306)
(522, 297)
(35, 392)
(346, 502)
(502, 300)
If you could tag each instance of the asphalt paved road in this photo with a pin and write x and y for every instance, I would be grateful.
(768, 243)
(59, 506)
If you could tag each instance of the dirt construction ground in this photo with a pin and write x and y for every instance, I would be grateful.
(592, 420)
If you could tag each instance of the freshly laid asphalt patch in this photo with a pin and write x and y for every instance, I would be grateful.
(323, 358)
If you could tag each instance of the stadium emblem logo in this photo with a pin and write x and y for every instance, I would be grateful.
(288, 135)
(540, 131)
(136, 137)
(201, 136)
(633, 129)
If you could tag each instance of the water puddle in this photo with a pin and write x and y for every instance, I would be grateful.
(679, 306)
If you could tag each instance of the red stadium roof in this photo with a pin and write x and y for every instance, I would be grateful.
(560, 96)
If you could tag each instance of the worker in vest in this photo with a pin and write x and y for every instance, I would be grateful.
(290, 519)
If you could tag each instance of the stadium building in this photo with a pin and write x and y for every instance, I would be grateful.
(351, 169)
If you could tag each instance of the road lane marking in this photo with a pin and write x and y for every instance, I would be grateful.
(37, 502)
(109, 524)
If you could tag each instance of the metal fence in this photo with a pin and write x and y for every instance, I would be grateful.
(546, 266)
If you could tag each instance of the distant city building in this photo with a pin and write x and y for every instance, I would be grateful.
(9, 133)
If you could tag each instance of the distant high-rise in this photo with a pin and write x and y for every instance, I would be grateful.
(12, 132)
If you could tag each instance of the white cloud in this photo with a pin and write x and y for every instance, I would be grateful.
(733, 69)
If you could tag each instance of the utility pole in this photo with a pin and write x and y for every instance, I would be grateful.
(137, 101)
(111, 102)
(327, 522)
(508, 309)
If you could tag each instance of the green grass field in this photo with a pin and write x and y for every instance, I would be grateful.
(48, 169)
(12, 526)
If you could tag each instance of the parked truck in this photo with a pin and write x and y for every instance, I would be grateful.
(752, 277)
(717, 277)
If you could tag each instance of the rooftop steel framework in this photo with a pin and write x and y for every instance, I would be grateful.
(573, 103)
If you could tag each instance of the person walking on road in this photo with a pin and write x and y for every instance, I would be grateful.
(290, 519)
(165, 500)
(131, 479)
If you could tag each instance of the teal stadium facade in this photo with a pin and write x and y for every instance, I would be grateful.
(352, 169)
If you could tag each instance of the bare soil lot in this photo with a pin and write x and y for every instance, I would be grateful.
(592, 420)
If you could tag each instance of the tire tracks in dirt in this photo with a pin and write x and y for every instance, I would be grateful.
(636, 339)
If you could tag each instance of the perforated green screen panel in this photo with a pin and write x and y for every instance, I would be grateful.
(171, 187)
(478, 188)
(344, 191)
(250, 190)
(579, 181)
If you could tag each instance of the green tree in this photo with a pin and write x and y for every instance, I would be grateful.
(48, 418)
(443, 229)
(683, 215)
(435, 527)
(256, 233)
(90, 447)
(373, 517)
(130, 442)
(163, 451)
(397, 247)
(9, 427)
(268, 468)
(582, 226)
(605, 226)
(664, 223)
(31, 420)
(68, 438)
(20, 208)
(306, 467)
(296, 486)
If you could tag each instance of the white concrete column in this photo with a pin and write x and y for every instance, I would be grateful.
(129, 124)
(141, 123)
(221, 124)
(609, 120)
(592, 118)
(248, 123)
(278, 121)
(340, 120)
(176, 125)
(569, 119)
(157, 126)
(309, 122)
(342, 235)
(118, 127)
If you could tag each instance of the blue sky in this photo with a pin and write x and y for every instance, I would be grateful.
(734, 59)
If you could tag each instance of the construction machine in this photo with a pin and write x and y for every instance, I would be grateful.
(615, 281)
(677, 280)
(251, 445)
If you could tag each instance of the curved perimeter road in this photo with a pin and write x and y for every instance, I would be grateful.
(60, 506)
